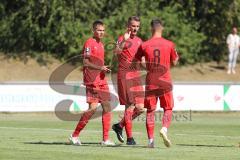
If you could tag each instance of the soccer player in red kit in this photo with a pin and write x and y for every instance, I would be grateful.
(97, 90)
(159, 53)
(130, 89)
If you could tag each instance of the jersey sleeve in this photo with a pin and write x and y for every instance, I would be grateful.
(87, 50)
(174, 55)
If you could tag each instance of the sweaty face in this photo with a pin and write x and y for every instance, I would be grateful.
(99, 31)
(134, 27)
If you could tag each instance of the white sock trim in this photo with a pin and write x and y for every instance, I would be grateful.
(150, 140)
(165, 129)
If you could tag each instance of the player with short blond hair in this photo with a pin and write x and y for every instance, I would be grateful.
(130, 89)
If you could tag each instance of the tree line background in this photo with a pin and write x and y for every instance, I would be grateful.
(60, 27)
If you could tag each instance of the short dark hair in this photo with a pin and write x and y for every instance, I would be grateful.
(156, 23)
(97, 22)
(133, 18)
(234, 27)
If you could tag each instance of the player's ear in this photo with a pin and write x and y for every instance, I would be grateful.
(152, 30)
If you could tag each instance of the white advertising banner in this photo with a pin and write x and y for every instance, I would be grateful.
(198, 97)
(41, 97)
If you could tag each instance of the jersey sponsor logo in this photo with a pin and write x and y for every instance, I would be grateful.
(118, 42)
(87, 51)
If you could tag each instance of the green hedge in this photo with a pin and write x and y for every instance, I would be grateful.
(60, 27)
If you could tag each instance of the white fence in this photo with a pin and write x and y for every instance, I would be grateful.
(34, 97)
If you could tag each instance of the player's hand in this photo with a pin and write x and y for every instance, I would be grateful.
(105, 69)
(133, 66)
(127, 35)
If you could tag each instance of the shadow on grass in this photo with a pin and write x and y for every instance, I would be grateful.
(204, 145)
(90, 144)
(218, 67)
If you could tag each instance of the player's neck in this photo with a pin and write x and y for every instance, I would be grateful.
(97, 39)
(157, 35)
(132, 36)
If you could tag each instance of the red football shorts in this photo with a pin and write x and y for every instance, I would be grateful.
(166, 101)
(97, 93)
(130, 91)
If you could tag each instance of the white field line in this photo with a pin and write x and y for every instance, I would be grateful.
(42, 129)
(99, 131)
(54, 129)
(207, 135)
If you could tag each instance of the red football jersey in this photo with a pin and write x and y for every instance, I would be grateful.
(126, 56)
(159, 53)
(94, 51)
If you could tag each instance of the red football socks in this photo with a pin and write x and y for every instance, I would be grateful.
(82, 122)
(150, 122)
(106, 123)
(135, 114)
(167, 118)
(122, 122)
(128, 122)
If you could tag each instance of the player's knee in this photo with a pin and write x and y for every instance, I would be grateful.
(106, 106)
(107, 110)
(167, 109)
(150, 110)
(140, 108)
(92, 107)
(130, 107)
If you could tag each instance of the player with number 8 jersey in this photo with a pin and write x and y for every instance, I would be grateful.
(159, 53)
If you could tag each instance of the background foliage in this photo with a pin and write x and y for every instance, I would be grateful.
(60, 27)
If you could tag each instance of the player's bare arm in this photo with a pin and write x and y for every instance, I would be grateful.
(175, 62)
(120, 46)
(138, 64)
(143, 63)
(87, 63)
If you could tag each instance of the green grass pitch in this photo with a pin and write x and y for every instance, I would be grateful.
(199, 136)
